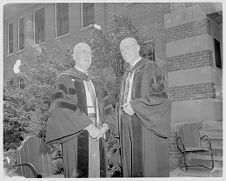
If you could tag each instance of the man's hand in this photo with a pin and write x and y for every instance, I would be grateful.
(127, 109)
(103, 130)
(94, 132)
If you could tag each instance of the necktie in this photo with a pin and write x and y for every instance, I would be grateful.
(91, 90)
(127, 85)
(93, 97)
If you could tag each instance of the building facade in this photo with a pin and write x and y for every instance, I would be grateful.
(187, 39)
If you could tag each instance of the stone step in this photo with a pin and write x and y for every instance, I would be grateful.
(213, 138)
(212, 125)
(196, 172)
(216, 143)
(218, 151)
(216, 134)
(216, 139)
(217, 163)
(204, 156)
(196, 158)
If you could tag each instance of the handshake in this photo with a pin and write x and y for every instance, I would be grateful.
(97, 133)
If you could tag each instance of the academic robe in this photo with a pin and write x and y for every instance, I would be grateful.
(67, 120)
(143, 136)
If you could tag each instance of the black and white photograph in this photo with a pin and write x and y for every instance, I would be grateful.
(112, 89)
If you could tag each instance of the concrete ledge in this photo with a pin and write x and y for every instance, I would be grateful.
(196, 110)
(197, 172)
(195, 76)
(182, 16)
(189, 45)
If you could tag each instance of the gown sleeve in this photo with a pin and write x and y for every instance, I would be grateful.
(154, 108)
(66, 119)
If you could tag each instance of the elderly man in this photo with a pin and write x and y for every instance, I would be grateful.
(144, 116)
(80, 114)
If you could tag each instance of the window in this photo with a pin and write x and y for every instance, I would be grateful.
(10, 38)
(21, 34)
(151, 55)
(217, 49)
(21, 83)
(62, 19)
(87, 14)
(39, 31)
(148, 50)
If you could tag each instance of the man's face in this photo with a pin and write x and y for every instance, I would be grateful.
(130, 51)
(84, 60)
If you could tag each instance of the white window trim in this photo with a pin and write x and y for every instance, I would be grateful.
(18, 35)
(128, 4)
(214, 54)
(8, 39)
(35, 44)
(81, 20)
(55, 13)
(81, 14)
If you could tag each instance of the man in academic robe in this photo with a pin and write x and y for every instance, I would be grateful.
(80, 114)
(144, 116)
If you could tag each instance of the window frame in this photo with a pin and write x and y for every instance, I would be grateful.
(129, 4)
(81, 14)
(55, 13)
(9, 40)
(34, 26)
(217, 55)
(150, 52)
(18, 34)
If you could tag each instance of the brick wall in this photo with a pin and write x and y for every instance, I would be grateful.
(174, 152)
(192, 92)
(187, 30)
(209, 8)
(190, 60)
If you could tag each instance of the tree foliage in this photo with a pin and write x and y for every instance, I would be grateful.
(26, 103)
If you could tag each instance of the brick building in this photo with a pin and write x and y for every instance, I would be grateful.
(187, 39)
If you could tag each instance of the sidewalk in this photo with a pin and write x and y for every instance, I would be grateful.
(196, 172)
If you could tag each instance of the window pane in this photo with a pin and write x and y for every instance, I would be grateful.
(217, 49)
(10, 38)
(42, 19)
(40, 25)
(151, 55)
(88, 14)
(62, 19)
(148, 50)
(36, 27)
(21, 33)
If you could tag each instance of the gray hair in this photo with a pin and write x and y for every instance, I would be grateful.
(129, 40)
(79, 47)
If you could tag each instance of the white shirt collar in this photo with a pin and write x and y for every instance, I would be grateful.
(134, 63)
(81, 70)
